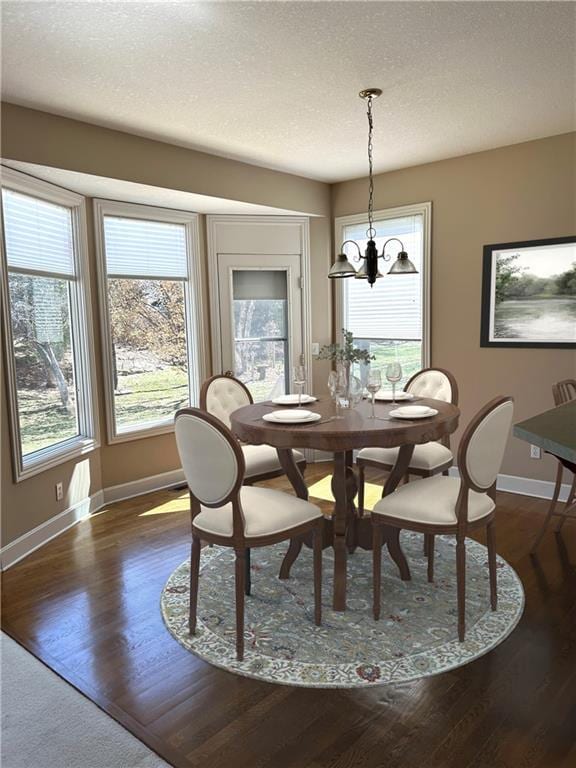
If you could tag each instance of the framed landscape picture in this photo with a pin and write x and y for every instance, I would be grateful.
(529, 294)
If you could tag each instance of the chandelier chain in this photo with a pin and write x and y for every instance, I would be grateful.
(369, 270)
(371, 232)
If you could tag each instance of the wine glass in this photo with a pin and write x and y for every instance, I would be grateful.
(299, 379)
(373, 384)
(394, 374)
(355, 391)
(337, 387)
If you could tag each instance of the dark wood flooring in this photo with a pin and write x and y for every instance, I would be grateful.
(87, 605)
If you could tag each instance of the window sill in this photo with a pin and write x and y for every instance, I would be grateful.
(141, 432)
(52, 457)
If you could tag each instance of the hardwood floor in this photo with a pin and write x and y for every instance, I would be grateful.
(87, 604)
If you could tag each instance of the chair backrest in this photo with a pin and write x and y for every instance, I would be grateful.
(435, 383)
(564, 391)
(223, 394)
(211, 457)
(483, 443)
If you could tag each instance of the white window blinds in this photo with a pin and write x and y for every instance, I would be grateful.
(38, 235)
(392, 308)
(144, 249)
(259, 284)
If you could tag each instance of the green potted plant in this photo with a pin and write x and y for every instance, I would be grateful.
(345, 355)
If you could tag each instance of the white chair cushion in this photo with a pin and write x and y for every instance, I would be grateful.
(261, 459)
(433, 384)
(433, 501)
(266, 512)
(208, 459)
(487, 444)
(224, 396)
(426, 456)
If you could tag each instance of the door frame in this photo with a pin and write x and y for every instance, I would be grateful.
(302, 227)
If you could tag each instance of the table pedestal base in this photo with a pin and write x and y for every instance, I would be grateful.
(347, 530)
(361, 529)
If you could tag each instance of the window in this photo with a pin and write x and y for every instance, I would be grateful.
(46, 315)
(391, 319)
(151, 316)
(260, 300)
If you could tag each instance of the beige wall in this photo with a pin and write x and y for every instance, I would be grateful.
(521, 192)
(38, 137)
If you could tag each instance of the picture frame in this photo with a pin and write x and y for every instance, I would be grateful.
(529, 294)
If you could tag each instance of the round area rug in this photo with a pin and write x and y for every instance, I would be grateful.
(415, 637)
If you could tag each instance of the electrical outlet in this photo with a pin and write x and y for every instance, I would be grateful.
(59, 492)
(535, 452)
(315, 348)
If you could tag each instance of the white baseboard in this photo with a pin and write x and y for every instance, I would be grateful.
(144, 485)
(525, 486)
(42, 534)
(27, 543)
(16, 550)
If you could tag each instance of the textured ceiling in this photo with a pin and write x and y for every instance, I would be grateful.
(276, 83)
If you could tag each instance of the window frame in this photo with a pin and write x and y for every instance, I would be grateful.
(80, 294)
(193, 309)
(423, 209)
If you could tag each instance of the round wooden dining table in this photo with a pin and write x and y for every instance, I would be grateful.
(354, 429)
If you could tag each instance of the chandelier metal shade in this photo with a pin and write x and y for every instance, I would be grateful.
(368, 270)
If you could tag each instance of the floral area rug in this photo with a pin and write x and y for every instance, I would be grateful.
(415, 637)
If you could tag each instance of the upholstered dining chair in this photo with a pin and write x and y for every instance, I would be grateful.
(226, 512)
(427, 459)
(563, 392)
(221, 395)
(448, 505)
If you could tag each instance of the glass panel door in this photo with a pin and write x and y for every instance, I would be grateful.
(260, 320)
(261, 355)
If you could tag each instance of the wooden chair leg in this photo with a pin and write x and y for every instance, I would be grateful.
(240, 577)
(376, 568)
(569, 501)
(318, 541)
(396, 553)
(361, 481)
(461, 585)
(551, 509)
(491, 541)
(290, 558)
(430, 548)
(248, 576)
(194, 578)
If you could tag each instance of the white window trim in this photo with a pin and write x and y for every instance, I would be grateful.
(194, 310)
(81, 308)
(425, 209)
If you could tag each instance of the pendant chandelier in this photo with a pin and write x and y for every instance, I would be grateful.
(369, 269)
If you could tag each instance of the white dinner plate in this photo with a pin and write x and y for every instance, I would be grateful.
(413, 412)
(299, 417)
(293, 399)
(386, 394)
(291, 415)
